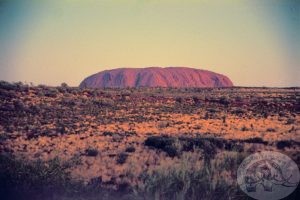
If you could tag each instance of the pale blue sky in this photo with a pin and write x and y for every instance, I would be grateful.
(254, 42)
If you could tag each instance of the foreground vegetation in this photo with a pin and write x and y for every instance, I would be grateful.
(20, 179)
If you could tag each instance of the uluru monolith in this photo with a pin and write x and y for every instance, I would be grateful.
(156, 77)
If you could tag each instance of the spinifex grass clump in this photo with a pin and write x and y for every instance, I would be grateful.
(184, 181)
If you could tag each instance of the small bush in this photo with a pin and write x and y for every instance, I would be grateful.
(130, 149)
(167, 144)
(224, 101)
(64, 85)
(3, 136)
(271, 130)
(284, 143)
(179, 100)
(108, 133)
(122, 157)
(212, 110)
(106, 102)
(159, 142)
(244, 128)
(231, 146)
(238, 111)
(255, 140)
(196, 100)
(51, 92)
(171, 150)
(163, 124)
(173, 146)
(91, 152)
(290, 121)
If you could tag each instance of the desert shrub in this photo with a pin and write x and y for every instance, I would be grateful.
(68, 102)
(166, 144)
(209, 145)
(238, 111)
(238, 99)
(108, 133)
(129, 133)
(7, 94)
(174, 146)
(179, 100)
(64, 85)
(3, 136)
(218, 142)
(224, 119)
(159, 142)
(171, 150)
(19, 105)
(125, 97)
(95, 182)
(264, 113)
(196, 100)
(255, 140)
(130, 149)
(7, 86)
(271, 130)
(106, 102)
(17, 86)
(207, 115)
(91, 152)
(183, 183)
(224, 101)
(187, 145)
(51, 92)
(284, 143)
(212, 110)
(290, 121)
(244, 128)
(34, 109)
(232, 146)
(20, 179)
(163, 124)
(121, 158)
(61, 128)
(40, 93)
(228, 163)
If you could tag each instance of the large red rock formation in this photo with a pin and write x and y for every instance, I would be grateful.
(156, 77)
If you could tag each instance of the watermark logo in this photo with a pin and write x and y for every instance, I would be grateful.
(268, 175)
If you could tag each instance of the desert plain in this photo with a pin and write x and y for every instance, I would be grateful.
(139, 143)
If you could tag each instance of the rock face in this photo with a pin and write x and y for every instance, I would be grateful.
(156, 77)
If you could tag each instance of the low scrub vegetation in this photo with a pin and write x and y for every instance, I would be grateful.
(133, 143)
(20, 179)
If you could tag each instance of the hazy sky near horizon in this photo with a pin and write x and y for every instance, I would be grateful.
(253, 42)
